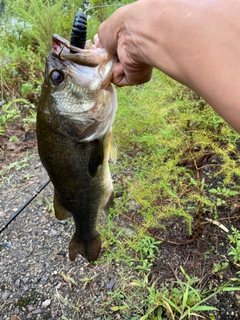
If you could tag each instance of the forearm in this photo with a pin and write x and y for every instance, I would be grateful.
(195, 42)
(201, 49)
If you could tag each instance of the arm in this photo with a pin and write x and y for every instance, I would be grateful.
(195, 42)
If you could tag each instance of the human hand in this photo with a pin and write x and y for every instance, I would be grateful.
(115, 36)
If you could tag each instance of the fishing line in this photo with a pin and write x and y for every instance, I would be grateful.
(23, 206)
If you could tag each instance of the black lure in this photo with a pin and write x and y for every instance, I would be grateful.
(79, 31)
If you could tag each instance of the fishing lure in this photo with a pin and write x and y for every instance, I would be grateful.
(79, 31)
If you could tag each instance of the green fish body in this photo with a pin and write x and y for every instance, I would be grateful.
(74, 119)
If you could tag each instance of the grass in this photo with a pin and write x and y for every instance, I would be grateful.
(158, 130)
(160, 127)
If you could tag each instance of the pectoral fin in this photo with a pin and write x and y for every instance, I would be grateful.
(96, 157)
(112, 148)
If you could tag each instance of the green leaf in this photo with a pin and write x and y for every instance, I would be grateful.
(212, 191)
(118, 308)
(203, 308)
(185, 298)
(231, 289)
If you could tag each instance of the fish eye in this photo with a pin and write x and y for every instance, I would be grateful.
(57, 77)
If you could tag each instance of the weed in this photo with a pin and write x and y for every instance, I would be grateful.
(180, 300)
(49, 206)
(222, 193)
(68, 279)
(24, 301)
(13, 139)
(27, 176)
(17, 110)
(218, 267)
(234, 238)
(67, 302)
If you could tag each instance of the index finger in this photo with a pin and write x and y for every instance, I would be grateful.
(108, 33)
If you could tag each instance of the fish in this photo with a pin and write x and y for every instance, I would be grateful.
(75, 114)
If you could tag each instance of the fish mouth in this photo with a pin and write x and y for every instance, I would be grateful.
(90, 56)
(89, 67)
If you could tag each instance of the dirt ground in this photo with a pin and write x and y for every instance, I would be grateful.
(34, 265)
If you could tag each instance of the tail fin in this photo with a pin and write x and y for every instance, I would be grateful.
(89, 250)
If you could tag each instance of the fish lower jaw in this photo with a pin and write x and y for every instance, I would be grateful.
(90, 250)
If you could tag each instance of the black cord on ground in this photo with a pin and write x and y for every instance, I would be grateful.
(23, 207)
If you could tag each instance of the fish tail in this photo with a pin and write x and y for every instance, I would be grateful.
(60, 212)
(89, 250)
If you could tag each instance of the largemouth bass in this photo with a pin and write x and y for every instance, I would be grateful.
(74, 119)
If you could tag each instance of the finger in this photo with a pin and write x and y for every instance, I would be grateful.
(96, 41)
(140, 75)
(107, 36)
(119, 78)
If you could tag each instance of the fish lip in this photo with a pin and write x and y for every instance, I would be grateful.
(90, 56)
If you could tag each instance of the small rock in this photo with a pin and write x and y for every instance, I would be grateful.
(44, 279)
(25, 288)
(46, 303)
(110, 285)
(5, 295)
(62, 253)
(129, 232)
(9, 279)
(31, 308)
(54, 232)
(16, 310)
(25, 280)
(9, 244)
(17, 283)
(37, 311)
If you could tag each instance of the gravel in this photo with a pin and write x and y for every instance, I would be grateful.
(34, 263)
